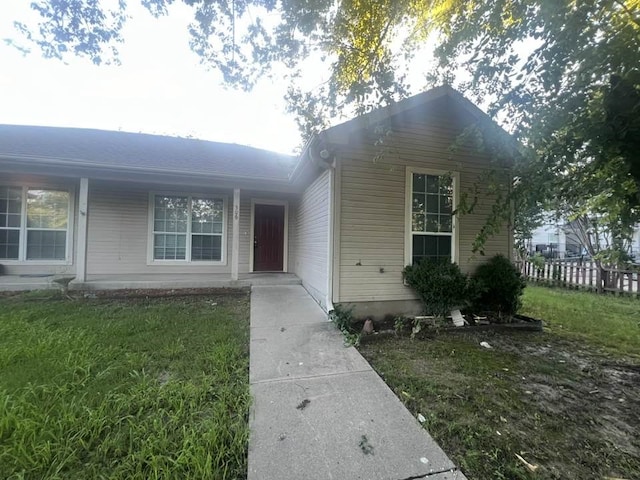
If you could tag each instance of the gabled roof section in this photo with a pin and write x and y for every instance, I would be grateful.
(137, 152)
(341, 131)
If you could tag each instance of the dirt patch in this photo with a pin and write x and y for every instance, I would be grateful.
(592, 387)
(164, 377)
(563, 405)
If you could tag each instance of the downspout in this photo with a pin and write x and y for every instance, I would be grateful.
(330, 239)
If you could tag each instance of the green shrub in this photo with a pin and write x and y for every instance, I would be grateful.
(440, 285)
(497, 286)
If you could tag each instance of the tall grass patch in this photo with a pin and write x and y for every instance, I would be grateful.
(151, 388)
(608, 321)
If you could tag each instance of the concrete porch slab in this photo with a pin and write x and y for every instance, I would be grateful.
(111, 282)
(148, 281)
(18, 283)
(300, 351)
(345, 426)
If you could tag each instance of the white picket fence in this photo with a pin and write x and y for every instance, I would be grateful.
(583, 274)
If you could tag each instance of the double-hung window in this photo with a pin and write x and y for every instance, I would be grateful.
(34, 224)
(430, 216)
(10, 222)
(188, 228)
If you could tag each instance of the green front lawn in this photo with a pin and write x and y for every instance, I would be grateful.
(124, 389)
(565, 400)
(606, 321)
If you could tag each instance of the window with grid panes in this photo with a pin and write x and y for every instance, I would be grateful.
(10, 222)
(34, 223)
(47, 219)
(431, 217)
(188, 228)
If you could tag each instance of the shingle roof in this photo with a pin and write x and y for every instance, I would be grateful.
(415, 101)
(110, 149)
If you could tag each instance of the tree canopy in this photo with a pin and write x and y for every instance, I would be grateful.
(563, 76)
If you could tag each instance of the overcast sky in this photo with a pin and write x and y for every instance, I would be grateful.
(159, 88)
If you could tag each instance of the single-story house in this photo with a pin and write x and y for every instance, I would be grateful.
(558, 238)
(362, 200)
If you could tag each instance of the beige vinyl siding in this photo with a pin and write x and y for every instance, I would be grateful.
(118, 231)
(312, 237)
(372, 223)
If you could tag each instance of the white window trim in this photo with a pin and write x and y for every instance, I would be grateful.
(187, 260)
(285, 247)
(408, 236)
(22, 248)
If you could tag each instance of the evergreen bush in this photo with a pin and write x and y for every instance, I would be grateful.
(497, 286)
(440, 285)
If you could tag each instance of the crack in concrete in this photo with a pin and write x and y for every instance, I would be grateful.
(307, 377)
(430, 474)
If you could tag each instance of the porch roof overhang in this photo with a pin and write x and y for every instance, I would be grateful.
(143, 158)
(48, 166)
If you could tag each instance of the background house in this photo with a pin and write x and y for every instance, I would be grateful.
(557, 239)
(130, 210)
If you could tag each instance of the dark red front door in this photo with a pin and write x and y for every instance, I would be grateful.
(268, 242)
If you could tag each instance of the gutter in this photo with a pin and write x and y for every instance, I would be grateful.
(49, 161)
(303, 159)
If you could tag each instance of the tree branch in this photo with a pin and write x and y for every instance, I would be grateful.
(626, 9)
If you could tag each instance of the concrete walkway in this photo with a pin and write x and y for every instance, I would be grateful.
(319, 410)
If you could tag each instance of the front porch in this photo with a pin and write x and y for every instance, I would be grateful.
(147, 281)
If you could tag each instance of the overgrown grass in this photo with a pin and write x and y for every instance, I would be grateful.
(134, 389)
(554, 398)
(608, 321)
